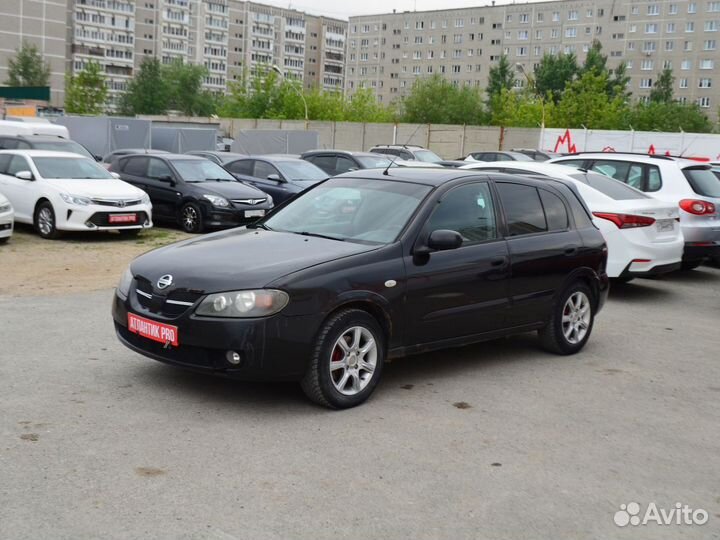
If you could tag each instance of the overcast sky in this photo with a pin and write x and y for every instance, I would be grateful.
(344, 9)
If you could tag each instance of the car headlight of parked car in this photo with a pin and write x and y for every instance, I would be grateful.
(220, 202)
(5, 208)
(241, 304)
(123, 287)
(75, 199)
(145, 199)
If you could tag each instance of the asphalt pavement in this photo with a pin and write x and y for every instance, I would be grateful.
(497, 440)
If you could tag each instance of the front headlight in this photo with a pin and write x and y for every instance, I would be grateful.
(123, 287)
(75, 199)
(5, 208)
(243, 304)
(270, 200)
(220, 202)
(145, 199)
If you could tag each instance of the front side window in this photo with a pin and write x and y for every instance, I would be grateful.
(158, 169)
(427, 156)
(299, 170)
(467, 210)
(244, 167)
(523, 209)
(17, 164)
(264, 170)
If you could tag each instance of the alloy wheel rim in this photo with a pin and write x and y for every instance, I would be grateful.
(576, 317)
(190, 218)
(45, 221)
(353, 360)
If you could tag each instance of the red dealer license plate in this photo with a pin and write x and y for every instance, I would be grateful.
(162, 333)
(122, 218)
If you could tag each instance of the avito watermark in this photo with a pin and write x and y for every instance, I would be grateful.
(680, 514)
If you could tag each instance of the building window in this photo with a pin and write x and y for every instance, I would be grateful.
(683, 83)
(713, 7)
(685, 65)
(672, 9)
(571, 32)
(692, 7)
(645, 83)
(704, 102)
(670, 28)
(572, 15)
(705, 82)
(524, 18)
(522, 34)
(653, 9)
(646, 65)
(651, 28)
(690, 26)
(707, 64)
(709, 45)
(556, 16)
(669, 45)
(711, 26)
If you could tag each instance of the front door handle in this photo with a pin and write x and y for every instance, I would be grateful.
(571, 250)
(499, 261)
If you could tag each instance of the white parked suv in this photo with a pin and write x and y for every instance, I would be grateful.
(62, 191)
(6, 219)
(642, 233)
(689, 184)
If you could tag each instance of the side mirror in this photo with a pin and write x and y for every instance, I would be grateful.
(167, 179)
(98, 158)
(24, 175)
(443, 239)
(274, 177)
(115, 175)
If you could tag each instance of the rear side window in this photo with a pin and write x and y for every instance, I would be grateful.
(244, 166)
(609, 187)
(614, 169)
(4, 161)
(703, 181)
(326, 163)
(136, 166)
(523, 209)
(555, 211)
(572, 162)
(8, 144)
(654, 181)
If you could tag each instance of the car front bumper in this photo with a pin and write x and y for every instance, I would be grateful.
(270, 348)
(217, 218)
(6, 224)
(98, 218)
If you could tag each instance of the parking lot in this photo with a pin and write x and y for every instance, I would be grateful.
(496, 440)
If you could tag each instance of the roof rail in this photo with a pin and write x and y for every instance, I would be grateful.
(656, 156)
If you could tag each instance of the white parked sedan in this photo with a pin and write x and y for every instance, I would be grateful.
(61, 191)
(6, 219)
(642, 233)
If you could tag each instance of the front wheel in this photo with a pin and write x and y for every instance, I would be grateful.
(347, 360)
(191, 219)
(45, 221)
(571, 322)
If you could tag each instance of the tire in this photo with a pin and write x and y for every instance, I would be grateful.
(690, 265)
(558, 336)
(625, 279)
(350, 380)
(4, 240)
(44, 221)
(191, 219)
(129, 233)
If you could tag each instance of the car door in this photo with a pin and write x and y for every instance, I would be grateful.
(325, 161)
(263, 178)
(133, 170)
(162, 186)
(22, 194)
(460, 292)
(345, 164)
(544, 248)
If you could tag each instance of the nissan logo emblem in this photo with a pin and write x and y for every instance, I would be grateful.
(164, 282)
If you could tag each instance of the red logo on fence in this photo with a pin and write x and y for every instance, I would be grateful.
(566, 139)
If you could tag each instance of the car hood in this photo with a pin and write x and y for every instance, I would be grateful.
(239, 259)
(110, 188)
(230, 190)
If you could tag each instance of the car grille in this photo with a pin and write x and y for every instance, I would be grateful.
(174, 304)
(249, 202)
(102, 219)
(117, 203)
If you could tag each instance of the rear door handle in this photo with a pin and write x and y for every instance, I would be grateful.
(571, 250)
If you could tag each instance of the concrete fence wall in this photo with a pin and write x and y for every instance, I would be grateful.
(448, 141)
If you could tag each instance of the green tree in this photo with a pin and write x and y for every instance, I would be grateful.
(28, 67)
(618, 82)
(595, 61)
(435, 100)
(662, 91)
(553, 73)
(364, 107)
(185, 92)
(586, 102)
(86, 92)
(519, 109)
(669, 116)
(501, 75)
(147, 92)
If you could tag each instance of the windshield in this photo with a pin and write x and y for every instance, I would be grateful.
(300, 170)
(70, 167)
(201, 170)
(703, 181)
(62, 146)
(427, 156)
(610, 187)
(371, 162)
(353, 209)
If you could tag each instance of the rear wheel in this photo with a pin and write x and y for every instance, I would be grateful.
(623, 279)
(191, 219)
(130, 233)
(572, 321)
(690, 265)
(45, 221)
(4, 240)
(347, 360)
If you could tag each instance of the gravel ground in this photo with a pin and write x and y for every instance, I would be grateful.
(496, 440)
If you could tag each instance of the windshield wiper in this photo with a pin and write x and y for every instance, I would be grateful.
(259, 226)
(218, 180)
(318, 235)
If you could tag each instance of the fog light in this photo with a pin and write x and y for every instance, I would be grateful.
(233, 357)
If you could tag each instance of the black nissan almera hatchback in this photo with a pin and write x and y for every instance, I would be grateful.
(369, 266)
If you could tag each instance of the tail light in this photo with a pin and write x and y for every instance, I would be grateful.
(626, 221)
(697, 207)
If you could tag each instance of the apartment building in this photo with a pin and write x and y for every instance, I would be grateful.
(42, 23)
(389, 52)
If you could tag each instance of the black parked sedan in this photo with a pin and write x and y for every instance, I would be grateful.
(192, 191)
(368, 266)
(281, 176)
